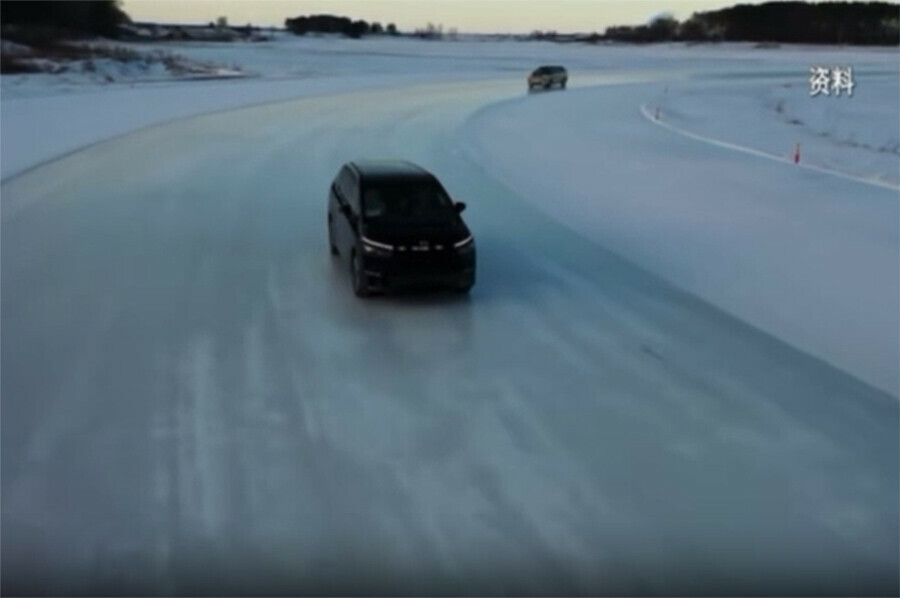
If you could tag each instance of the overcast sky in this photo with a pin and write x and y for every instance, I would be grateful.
(476, 16)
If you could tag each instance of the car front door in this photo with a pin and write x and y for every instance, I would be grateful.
(347, 216)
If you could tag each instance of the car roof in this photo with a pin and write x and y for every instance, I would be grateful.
(388, 169)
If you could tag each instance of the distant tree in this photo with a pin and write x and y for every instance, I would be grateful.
(544, 35)
(428, 32)
(326, 24)
(357, 29)
(392, 29)
(222, 22)
(297, 25)
(864, 23)
(692, 30)
(376, 28)
(622, 33)
(98, 17)
(663, 28)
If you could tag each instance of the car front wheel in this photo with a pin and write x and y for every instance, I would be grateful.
(358, 277)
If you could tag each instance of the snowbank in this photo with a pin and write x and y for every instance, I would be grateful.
(66, 65)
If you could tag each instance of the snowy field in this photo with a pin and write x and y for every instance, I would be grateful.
(677, 373)
(793, 251)
(48, 115)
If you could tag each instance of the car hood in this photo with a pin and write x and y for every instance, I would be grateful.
(445, 233)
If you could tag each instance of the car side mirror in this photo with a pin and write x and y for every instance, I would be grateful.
(459, 206)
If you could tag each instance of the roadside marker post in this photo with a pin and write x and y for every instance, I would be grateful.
(797, 153)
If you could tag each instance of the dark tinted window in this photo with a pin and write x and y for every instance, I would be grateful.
(353, 192)
(348, 187)
(341, 182)
(403, 201)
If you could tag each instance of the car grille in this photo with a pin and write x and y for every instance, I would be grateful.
(409, 260)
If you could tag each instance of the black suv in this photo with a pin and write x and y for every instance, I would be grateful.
(395, 227)
(547, 77)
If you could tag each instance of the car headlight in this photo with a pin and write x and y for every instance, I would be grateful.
(467, 245)
(377, 249)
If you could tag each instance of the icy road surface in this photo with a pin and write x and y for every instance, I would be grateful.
(194, 401)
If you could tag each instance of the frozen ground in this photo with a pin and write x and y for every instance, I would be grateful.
(74, 111)
(857, 135)
(194, 402)
(806, 256)
(37, 128)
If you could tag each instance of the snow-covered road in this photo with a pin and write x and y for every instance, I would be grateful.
(194, 401)
(807, 254)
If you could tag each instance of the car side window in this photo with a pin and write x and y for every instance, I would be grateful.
(352, 192)
(346, 187)
(338, 186)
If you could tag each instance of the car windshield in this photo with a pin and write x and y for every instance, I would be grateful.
(396, 201)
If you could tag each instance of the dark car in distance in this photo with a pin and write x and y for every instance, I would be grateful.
(394, 226)
(548, 76)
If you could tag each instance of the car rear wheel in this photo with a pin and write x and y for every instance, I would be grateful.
(358, 277)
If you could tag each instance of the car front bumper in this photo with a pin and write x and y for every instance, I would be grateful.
(447, 270)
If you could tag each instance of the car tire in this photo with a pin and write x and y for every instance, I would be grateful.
(357, 278)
